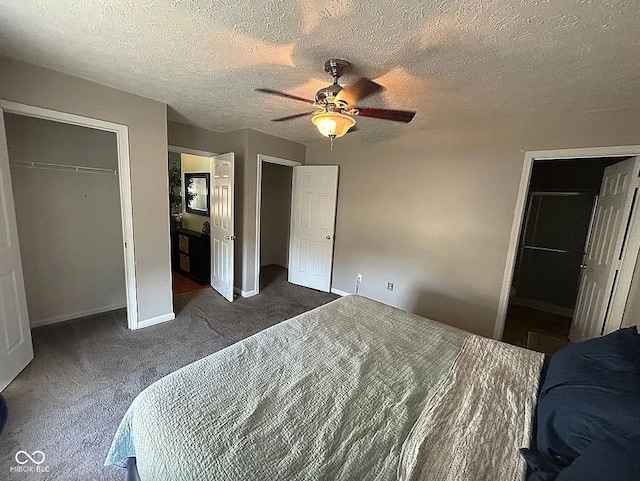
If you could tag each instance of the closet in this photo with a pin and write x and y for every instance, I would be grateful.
(67, 203)
(275, 215)
(552, 247)
(561, 200)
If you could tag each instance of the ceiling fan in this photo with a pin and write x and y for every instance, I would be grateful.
(336, 106)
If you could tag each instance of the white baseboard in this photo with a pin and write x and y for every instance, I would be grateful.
(170, 316)
(245, 294)
(75, 315)
(339, 292)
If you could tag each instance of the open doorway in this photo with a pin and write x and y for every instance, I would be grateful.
(14, 319)
(67, 205)
(575, 252)
(273, 219)
(122, 174)
(189, 190)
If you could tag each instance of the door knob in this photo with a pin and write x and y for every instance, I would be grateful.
(328, 237)
(583, 266)
(229, 237)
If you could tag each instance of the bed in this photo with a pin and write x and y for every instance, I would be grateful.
(352, 390)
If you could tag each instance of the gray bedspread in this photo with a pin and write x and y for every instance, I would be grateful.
(331, 394)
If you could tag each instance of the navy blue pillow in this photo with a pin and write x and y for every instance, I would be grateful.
(591, 392)
(616, 459)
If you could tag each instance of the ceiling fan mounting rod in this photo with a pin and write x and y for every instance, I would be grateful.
(336, 67)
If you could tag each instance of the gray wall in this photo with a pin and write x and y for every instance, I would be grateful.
(246, 144)
(147, 123)
(275, 214)
(432, 211)
(69, 224)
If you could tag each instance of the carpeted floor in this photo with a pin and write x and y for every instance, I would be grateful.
(521, 320)
(68, 402)
(545, 344)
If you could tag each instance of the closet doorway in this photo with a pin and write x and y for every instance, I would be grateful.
(123, 176)
(69, 218)
(273, 218)
(14, 318)
(576, 250)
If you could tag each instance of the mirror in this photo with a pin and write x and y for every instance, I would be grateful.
(197, 193)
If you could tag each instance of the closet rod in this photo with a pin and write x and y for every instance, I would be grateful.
(66, 168)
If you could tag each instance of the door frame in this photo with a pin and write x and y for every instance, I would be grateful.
(271, 160)
(200, 153)
(124, 183)
(633, 240)
(183, 150)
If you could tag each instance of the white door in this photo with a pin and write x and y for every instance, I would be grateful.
(222, 224)
(604, 253)
(16, 350)
(313, 218)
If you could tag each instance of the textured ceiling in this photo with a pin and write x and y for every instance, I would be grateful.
(456, 62)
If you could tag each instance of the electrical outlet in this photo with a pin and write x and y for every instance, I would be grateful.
(390, 286)
(358, 281)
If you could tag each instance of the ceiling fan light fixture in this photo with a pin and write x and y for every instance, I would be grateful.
(337, 105)
(333, 124)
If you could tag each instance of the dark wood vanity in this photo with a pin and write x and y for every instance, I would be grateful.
(191, 254)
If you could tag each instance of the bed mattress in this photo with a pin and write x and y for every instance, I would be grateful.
(346, 391)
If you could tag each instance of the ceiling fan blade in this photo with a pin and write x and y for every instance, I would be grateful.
(291, 117)
(357, 91)
(285, 95)
(405, 116)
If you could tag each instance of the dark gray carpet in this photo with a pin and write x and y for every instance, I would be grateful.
(68, 402)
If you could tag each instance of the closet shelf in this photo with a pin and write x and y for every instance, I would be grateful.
(68, 168)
